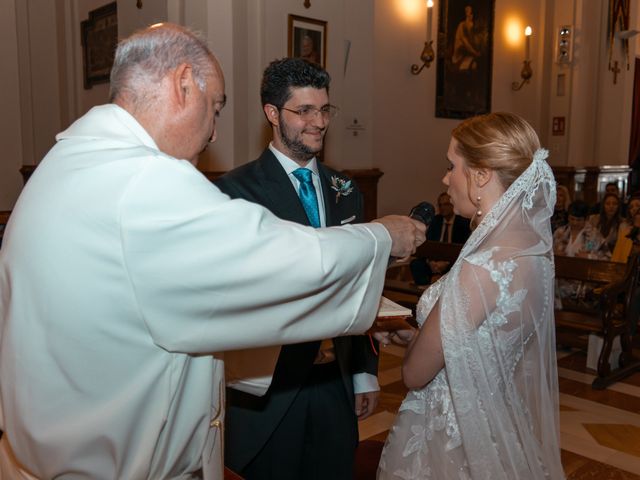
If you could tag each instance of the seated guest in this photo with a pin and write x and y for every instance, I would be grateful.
(628, 234)
(609, 188)
(446, 227)
(608, 220)
(633, 207)
(560, 215)
(578, 238)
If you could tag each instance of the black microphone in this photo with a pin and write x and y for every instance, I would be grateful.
(423, 212)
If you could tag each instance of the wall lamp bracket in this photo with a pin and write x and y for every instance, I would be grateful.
(427, 56)
(526, 73)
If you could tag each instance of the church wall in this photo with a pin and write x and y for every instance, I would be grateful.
(10, 120)
(410, 143)
(396, 131)
(615, 99)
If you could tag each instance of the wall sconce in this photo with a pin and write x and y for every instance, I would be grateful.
(428, 55)
(526, 73)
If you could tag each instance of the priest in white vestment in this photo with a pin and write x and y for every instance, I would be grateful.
(124, 271)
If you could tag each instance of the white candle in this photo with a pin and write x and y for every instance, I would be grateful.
(527, 35)
(429, 10)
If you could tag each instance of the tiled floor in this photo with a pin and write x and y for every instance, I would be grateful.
(600, 430)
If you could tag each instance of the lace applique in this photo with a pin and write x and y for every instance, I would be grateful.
(428, 300)
(495, 400)
(536, 174)
(434, 404)
(510, 343)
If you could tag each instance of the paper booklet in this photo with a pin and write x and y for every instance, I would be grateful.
(389, 308)
(391, 317)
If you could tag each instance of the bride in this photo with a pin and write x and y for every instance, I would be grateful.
(482, 369)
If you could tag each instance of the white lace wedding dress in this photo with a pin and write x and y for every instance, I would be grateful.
(492, 412)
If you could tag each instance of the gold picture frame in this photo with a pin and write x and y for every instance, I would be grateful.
(308, 39)
(99, 41)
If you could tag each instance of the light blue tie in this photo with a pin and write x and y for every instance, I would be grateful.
(308, 197)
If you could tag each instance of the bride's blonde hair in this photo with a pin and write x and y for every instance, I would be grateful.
(502, 142)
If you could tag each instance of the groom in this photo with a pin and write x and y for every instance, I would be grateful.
(305, 425)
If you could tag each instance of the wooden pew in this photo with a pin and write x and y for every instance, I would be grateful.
(439, 251)
(615, 284)
(399, 285)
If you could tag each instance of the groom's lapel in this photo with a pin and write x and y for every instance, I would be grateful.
(281, 195)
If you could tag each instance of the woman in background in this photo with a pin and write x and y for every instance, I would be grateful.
(482, 369)
(628, 234)
(608, 220)
(580, 238)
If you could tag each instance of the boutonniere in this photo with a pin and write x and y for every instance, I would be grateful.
(342, 186)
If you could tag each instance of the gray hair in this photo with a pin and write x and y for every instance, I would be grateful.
(144, 58)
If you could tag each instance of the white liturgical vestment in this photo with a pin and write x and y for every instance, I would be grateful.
(122, 272)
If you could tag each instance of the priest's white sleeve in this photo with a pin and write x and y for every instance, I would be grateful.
(214, 274)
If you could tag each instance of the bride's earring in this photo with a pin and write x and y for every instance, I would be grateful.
(478, 212)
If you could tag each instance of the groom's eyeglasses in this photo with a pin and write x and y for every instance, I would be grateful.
(308, 113)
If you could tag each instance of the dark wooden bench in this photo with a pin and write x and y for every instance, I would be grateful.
(439, 251)
(614, 284)
(399, 285)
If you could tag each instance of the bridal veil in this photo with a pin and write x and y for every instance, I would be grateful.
(492, 412)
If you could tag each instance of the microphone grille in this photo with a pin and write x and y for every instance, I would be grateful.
(423, 212)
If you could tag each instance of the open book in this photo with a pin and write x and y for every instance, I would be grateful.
(391, 317)
(389, 308)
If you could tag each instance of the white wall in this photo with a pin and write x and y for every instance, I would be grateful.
(42, 89)
(614, 101)
(409, 142)
(39, 77)
(267, 40)
(597, 111)
(10, 120)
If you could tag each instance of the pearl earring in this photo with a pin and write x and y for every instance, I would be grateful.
(478, 212)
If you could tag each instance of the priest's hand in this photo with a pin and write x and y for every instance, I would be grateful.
(399, 337)
(406, 234)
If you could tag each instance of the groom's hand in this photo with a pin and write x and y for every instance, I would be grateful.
(399, 337)
(366, 403)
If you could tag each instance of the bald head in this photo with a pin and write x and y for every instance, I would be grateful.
(168, 79)
(146, 57)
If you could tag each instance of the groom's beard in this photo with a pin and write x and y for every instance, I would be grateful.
(293, 141)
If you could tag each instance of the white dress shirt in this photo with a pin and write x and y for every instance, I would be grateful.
(362, 382)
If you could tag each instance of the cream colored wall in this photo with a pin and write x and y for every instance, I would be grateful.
(246, 36)
(10, 120)
(614, 101)
(410, 143)
(401, 136)
(597, 111)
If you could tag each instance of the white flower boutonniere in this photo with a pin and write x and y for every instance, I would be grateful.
(342, 186)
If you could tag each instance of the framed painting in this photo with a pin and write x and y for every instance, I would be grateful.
(308, 39)
(99, 40)
(464, 58)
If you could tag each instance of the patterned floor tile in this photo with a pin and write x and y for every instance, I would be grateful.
(600, 430)
(616, 436)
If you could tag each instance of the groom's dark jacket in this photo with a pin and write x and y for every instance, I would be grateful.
(250, 419)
